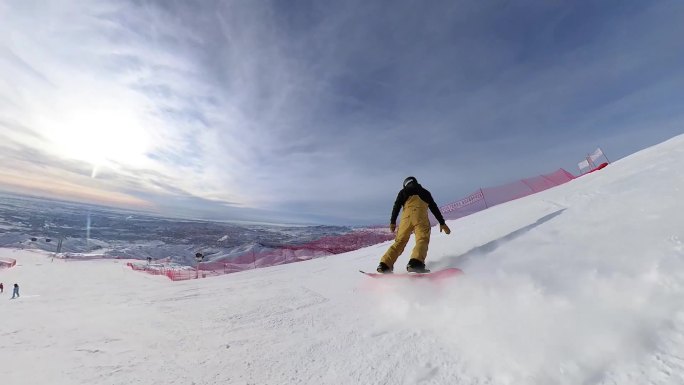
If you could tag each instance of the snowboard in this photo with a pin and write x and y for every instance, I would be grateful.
(433, 275)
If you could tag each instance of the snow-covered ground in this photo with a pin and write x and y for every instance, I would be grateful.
(581, 284)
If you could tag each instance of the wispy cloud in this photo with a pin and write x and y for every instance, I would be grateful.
(309, 110)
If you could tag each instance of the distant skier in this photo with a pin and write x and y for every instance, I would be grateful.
(415, 201)
(2, 287)
(15, 292)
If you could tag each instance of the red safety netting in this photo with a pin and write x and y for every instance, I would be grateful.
(271, 257)
(477, 201)
(491, 196)
(6, 263)
(169, 270)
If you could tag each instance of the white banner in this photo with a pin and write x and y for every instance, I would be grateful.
(597, 154)
(472, 198)
(583, 164)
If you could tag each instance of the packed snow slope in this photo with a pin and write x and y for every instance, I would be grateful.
(581, 284)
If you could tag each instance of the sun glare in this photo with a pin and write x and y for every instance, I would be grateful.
(100, 136)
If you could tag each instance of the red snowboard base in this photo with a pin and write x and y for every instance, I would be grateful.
(434, 275)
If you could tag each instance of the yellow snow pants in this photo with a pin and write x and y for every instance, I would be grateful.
(414, 219)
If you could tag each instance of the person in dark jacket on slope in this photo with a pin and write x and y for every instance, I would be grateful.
(415, 201)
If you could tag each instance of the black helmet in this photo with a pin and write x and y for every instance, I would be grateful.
(410, 180)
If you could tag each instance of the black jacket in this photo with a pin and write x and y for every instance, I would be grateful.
(423, 194)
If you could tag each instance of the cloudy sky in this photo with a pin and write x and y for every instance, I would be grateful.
(315, 111)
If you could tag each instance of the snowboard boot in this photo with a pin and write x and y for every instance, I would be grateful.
(416, 266)
(384, 269)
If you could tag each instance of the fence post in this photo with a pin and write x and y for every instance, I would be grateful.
(604, 155)
(483, 198)
(591, 163)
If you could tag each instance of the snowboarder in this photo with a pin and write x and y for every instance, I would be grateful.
(15, 292)
(415, 201)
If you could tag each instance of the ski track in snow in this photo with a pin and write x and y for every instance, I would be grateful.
(581, 284)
